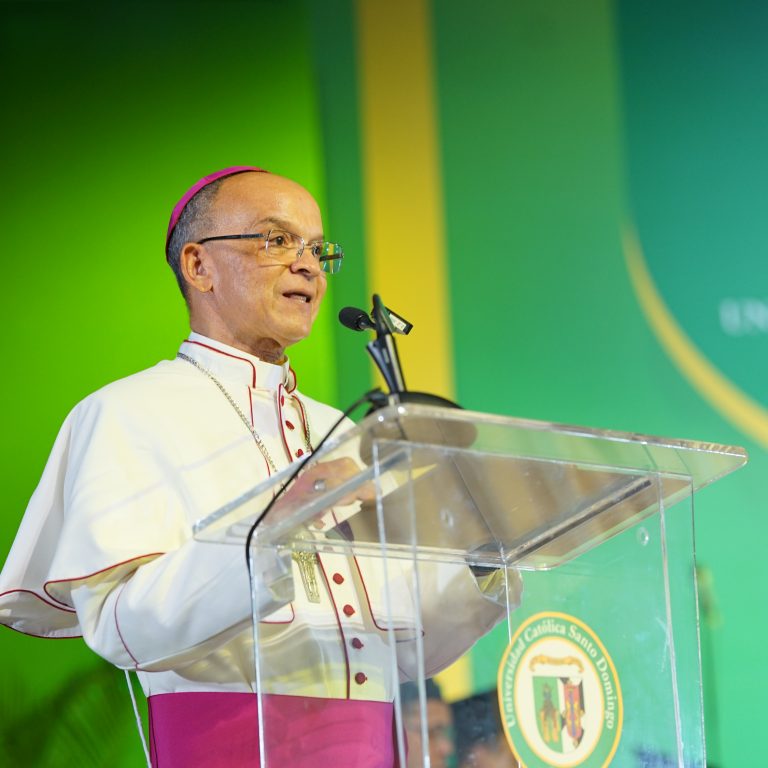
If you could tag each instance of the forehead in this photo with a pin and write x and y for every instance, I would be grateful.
(249, 198)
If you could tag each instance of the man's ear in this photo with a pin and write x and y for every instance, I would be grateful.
(197, 267)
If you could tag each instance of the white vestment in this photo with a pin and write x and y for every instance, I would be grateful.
(106, 549)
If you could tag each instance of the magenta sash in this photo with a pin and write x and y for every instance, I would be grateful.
(219, 730)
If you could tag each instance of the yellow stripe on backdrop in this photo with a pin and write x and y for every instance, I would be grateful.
(402, 183)
(405, 235)
(725, 397)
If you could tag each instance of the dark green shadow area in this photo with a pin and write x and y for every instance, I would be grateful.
(110, 111)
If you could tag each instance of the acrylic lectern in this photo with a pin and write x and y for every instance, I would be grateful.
(576, 544)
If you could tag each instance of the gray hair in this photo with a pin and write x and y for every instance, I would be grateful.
(191, 226)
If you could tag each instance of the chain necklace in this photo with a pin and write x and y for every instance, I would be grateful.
(306, 560)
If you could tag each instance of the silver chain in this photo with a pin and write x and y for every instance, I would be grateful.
(306, 561)
(238, 410)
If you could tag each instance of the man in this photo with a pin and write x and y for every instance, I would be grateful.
(480, 741)
(105, 549)
(439, 722)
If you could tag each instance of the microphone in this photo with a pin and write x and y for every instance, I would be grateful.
(356, 319)
(383, 350)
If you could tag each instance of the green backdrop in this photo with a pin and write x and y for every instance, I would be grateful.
(110, 111)
(559, 123)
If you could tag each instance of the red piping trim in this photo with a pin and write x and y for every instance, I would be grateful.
(40, 637)
(280, 390)
(57, 605)
(290, 621)
(266, 463)
(95, 573)
(304, 419)
(291, 380)
(338, 620)
(370, 608)
(226, 354)
(365, 589)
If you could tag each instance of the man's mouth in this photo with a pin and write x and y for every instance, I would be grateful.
(302, 297)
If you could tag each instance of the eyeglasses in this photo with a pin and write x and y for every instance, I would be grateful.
(281, 245)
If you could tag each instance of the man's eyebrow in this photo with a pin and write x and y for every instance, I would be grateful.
(281, 224)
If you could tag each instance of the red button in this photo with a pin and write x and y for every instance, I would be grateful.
(282, 400)
(289, 425)
(300, 452)
(360, 678)
(338, 578)
(348, 610)
(357, 643)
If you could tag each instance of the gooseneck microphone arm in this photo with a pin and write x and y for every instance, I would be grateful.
(383, 349)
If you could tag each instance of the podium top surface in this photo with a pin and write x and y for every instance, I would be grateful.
(543, 492)
(704, 462)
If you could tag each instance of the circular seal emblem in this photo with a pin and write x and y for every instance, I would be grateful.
(559, 695)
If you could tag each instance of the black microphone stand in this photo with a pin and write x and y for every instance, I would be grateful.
(383, 350)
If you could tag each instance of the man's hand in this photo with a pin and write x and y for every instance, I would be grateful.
(319, 479)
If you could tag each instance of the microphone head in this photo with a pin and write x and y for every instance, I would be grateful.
(356, 319)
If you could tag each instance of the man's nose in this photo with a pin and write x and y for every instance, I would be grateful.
(305, 262)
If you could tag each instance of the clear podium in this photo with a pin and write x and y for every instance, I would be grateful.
(564, 555)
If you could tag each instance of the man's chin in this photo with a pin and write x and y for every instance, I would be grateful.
(295, 335)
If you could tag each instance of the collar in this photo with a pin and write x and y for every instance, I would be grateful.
(235, 365)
